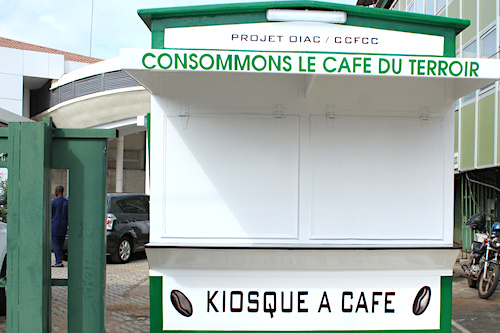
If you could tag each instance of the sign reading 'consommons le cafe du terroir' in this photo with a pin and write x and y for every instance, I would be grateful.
(302, 36)
(288, 303)
(309, 63)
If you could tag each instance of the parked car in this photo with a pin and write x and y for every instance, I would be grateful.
(127, 225)
(3, 266)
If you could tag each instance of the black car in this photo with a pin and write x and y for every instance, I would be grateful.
(127, 225)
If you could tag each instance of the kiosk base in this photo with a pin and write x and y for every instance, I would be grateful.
(300, 290)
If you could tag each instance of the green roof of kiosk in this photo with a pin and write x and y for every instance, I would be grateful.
(158, 19)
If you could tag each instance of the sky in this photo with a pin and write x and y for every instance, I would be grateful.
(66, 24)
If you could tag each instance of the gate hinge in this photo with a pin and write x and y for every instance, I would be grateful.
(183, 115)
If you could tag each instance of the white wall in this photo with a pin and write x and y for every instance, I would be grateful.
(70, 66)
(17, 64)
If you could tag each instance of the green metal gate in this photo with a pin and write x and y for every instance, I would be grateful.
(32, 149)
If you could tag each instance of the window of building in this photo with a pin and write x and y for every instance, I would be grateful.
(470, 51)
(419, 6)
(395, 5)
(429, 7)
(411, 7)
(486, 89)
(468, 97)
(440, 4)
(489, 47)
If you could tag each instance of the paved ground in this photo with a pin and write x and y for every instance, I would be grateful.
(471, 314)
(127, 298)
(127, 302)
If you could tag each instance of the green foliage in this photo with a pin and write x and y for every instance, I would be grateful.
(3, 201)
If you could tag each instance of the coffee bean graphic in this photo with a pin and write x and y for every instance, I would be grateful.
(421, 301)
(181, 303)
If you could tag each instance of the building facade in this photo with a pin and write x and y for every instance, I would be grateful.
(77, 92)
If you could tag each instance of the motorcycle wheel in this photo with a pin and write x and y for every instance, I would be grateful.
(471, 282)
(488, 285)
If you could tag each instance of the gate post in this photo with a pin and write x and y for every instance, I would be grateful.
(29, 235)
(32, 150)
(83, 152)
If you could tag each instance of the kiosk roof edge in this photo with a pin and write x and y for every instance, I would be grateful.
(147, 15)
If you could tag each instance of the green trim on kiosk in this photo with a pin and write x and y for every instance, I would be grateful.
(158, 19)
(156, 310)
(155, 304)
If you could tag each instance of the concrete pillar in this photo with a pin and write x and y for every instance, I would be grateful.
(119, 164)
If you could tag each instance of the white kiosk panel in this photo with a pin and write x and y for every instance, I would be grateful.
(232, 176)
(364, 172)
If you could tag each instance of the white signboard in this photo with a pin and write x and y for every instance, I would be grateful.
(303, 36)
(288, 302)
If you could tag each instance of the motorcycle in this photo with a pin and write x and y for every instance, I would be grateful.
(474, 265)
(488, 279)
(482, 267)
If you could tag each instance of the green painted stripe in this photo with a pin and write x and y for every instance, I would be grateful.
(486, 131)
(446, 303)
(467, 139)
(155, 304)
(156, 311)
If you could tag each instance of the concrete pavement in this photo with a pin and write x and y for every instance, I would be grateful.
(470, 313)
(127, 298)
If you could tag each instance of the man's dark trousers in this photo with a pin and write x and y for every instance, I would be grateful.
(57, 245)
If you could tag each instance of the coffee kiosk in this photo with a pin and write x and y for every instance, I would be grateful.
(301, 166)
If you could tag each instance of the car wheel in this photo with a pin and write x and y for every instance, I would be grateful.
(123, 251)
